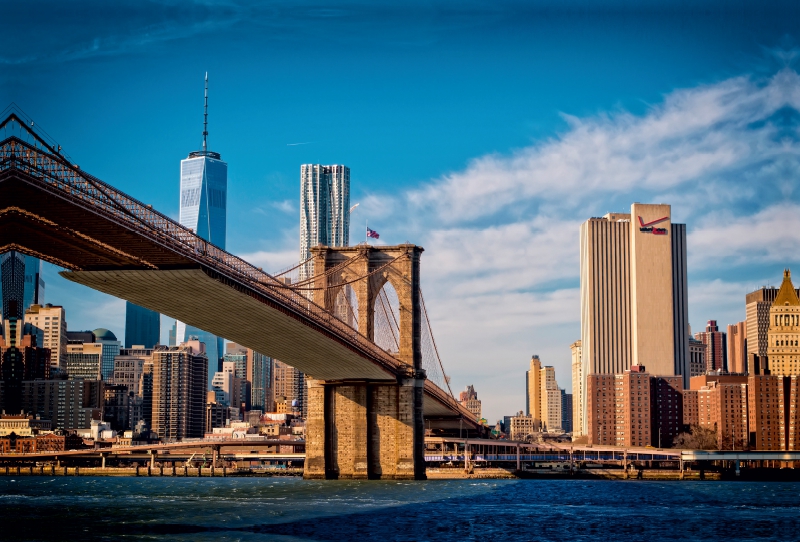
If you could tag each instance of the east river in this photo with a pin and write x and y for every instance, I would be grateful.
(245, 509)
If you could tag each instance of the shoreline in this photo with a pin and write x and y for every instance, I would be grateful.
(749, 475)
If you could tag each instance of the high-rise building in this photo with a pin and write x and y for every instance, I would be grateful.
(222, 386)
(667, 409)
(758, 304)
(259, 374)
(533, 403)
(566, 411)
(324, 210)
(69, 404)
(576, 423)
(737, 348)
(716, 344)
(129, 373)
(48, 323)
(179, 391)
(783, 335)
(129, 367)
(203, 208)
(117, 406)
(550, 399)
(469, 399)
(634, 408)
(84, 360)
(111, 349)
(601, 404)
(634, 307)
(237, 355)
(767, 408)
(289, 384)
(20, 359)
(21, 281)
(697, 357)
(142, 326)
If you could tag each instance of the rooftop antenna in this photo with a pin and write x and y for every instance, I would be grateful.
(205, 117)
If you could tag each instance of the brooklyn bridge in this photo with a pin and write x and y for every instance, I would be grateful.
(377, 382)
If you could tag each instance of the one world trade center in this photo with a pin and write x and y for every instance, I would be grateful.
(204, 190)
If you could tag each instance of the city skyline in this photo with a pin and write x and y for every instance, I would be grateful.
(726, 115)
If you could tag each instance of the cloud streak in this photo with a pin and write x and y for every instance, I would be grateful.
(500, 270)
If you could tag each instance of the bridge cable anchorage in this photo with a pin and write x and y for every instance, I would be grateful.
(433, 340)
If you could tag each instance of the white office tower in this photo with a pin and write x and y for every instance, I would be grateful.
(203, 208)
(324, 210)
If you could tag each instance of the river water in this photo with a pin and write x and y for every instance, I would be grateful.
(245, 509)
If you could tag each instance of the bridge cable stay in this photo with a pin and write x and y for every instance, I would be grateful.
(394, 326)
(293, 280)
(433, 343)
(385, 327)
(293, 267)
(351, 281)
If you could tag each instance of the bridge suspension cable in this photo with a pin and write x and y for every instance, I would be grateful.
(438, 366)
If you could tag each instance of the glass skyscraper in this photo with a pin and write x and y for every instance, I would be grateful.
(203, 204)
(142, 326)
(34, 283)
(111, 349)
(21, 282)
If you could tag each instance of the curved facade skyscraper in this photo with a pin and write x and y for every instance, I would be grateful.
(324, 209)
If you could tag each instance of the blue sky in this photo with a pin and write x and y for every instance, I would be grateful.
(485, 133)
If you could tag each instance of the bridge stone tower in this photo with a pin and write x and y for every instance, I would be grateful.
(369, 429)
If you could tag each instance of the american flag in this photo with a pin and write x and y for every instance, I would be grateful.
(373, 234)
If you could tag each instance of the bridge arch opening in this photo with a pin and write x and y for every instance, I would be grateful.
(386, 319)
(345, 306)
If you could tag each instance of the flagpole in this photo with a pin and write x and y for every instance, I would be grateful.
(366, 231)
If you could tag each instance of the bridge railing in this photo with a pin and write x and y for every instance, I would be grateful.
(69, 181)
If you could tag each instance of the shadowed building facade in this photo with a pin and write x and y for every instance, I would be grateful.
(737, 348)
(142, 326)
(179, 391)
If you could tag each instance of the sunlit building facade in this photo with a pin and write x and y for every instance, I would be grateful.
(203, 208)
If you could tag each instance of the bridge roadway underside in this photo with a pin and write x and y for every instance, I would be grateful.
(192, 296)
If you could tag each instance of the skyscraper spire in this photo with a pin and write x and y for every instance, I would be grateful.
(205, 118)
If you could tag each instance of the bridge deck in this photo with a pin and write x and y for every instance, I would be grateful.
(109, 241)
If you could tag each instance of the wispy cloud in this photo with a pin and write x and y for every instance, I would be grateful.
(501, 265)
(695, 134)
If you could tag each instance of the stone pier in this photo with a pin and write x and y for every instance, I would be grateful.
(369, 430)
(365, 430)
